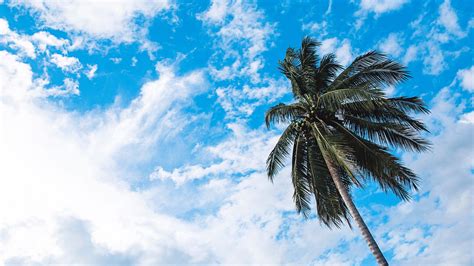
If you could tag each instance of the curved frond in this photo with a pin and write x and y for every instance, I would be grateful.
(282, 113)
(276, 158)
(393, 134)
(361, 97)
(376, 162)
(299, 174)
(391, 110)
(373, 68)
(329, 204)
(326, 72)
(291, 68)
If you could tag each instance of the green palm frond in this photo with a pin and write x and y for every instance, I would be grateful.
(329, 205)
(361, 97)
(282, 113)
(373, 67)
(374, 161)
(299, 173)
(291, 68)
(392, 110)
(327, 71)
(276, 158)
(395, 135)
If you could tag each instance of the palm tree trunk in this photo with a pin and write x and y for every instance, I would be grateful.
(355, 214)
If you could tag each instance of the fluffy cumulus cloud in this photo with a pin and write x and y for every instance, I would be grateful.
(467, 78)
(16, 41)
(105, 20)
(45, 39)
(449, 19)
(392, 45)
(66, 63)
(68, 170)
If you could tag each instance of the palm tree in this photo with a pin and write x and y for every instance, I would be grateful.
(341, 128)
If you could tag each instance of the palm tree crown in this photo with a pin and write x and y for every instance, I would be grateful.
(343, 123)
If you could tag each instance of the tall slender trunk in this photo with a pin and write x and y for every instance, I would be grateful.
(355, 214)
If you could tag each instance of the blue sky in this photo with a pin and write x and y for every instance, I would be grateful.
(131, 132)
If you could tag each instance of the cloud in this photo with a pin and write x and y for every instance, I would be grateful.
(430, 36)
(216, 12)
(66, 63)
(115, 21)
(466, 76)
(16, 41)
(381, 6)
(62, 165)
(242, 34)
(378, 7)
(392, 45)
(342, 49)
(449, 20)
(44, 39)
(314, 28)
(242, 101)
(90, 73)
(410, 54)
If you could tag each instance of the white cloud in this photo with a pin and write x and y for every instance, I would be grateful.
(116, 60)
(216, 12)
(467, 118)
(61, 166)
(18, 75)
(449, 19)
(392, 45)
(314, 28)
(45, 39)
(66, 63)
(434, 59)
(69, 87)
(242, 101)
(342, 49)
(378, 7)
(16, 41)
(14, 74)
(410, 54)
(242, 35)
(467, 78)
(90, 73)
(104, 19)
(381, 6)
(432, 38)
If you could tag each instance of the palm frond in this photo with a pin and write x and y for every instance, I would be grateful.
(374, 161)
(276, 158)
(326, 72)
(282, 113)
(329, 205)
(373, 68)
(386, 133)
(299, 173)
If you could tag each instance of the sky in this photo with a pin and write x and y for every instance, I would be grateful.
(132, 133)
